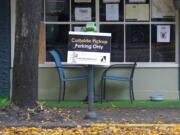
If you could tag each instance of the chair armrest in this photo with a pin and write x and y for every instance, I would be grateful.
(72, 66)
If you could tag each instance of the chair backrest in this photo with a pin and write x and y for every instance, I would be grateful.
(57, 60)
(131, 68)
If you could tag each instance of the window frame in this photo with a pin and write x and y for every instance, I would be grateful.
(124, 22)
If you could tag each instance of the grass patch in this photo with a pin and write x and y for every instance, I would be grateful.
(124, 103)
(57, 104)
(4, 101)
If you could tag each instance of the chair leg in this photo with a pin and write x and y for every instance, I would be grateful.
(131, 89)
(86, 98)
(104, 92)
(64, 89)
(130, 92)
(94, 88)
(60, 90)
(101, 90)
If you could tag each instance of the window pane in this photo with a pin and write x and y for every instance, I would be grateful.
(117, 46)
(163, 51)
(163, 10)
(57, 10)
(57, 38)
(137, 43)
(137, 10)
(83, 11)
(105, 7)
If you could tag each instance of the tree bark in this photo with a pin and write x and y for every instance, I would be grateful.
(25, 70)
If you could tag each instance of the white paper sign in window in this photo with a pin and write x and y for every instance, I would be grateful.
(163, 33)
(112, 12)
(137, 12)
(83, 14)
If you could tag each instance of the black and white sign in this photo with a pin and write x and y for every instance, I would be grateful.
(89, 48)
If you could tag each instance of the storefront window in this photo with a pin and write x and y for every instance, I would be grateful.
(142, 30)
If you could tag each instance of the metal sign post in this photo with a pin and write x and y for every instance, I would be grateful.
(89, 48)
(91, 114)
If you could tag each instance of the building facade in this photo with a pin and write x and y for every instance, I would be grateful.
(5, 47)
(145, 31)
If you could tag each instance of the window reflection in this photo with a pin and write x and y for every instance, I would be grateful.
(57, 38)
(137, 43)
(117, 42)
(57, 10)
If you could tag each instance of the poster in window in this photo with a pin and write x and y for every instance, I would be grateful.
(83, 14)
(163, 33)
(112, 12)
(137, 12)
(82, 1)
(163, 8)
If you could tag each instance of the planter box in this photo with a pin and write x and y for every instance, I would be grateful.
(177, 4)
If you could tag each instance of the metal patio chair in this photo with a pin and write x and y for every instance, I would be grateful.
(107, 76)
(62, 77)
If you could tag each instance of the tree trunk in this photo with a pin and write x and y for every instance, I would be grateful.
(25, 71)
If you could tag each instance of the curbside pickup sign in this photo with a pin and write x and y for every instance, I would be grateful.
(89, 48)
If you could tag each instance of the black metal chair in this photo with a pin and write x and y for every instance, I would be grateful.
(107, 76)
